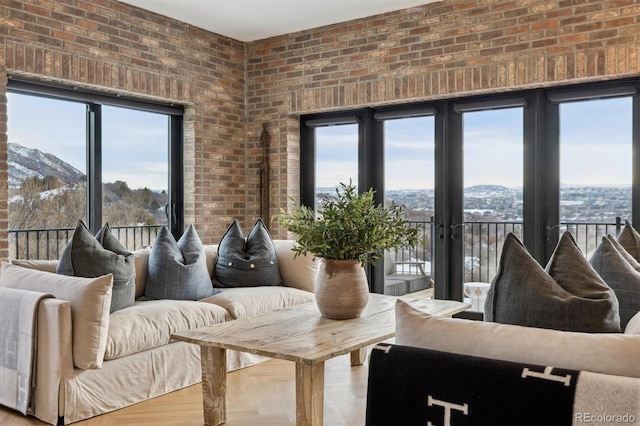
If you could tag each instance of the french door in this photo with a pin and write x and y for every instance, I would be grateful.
(536, 163)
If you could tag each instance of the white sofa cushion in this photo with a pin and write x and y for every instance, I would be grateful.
(141, 258)
(40, 265)
(633, 326)
(297, 273)
(149, 324)
(90, 300)
(244, 302)
(615, 354)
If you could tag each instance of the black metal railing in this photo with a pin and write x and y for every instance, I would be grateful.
(422, 253)
(483, 243)
(49, 243)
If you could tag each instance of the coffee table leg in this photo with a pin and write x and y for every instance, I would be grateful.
(309, 394)
(358, 356)
(214, 384)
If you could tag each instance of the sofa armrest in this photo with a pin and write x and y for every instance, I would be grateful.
(54, 357)
(605, 353)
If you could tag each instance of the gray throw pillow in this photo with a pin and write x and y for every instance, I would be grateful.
(246, 263)
(569, 295)
(629, 238)
(90, 257)
(622, 273)
(178, 270)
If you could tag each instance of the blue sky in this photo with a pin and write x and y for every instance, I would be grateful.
(595, 148)
(135, 143)
(595, 143)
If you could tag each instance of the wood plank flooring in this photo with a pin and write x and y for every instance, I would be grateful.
(260, 395)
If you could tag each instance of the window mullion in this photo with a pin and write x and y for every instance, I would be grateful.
(635, 195)
(176, 177)
(94, 167)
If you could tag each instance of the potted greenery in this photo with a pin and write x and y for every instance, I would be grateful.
(348, 232)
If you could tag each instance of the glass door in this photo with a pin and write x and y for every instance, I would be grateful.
(595, 168)
(492, 195)
(409, 174)
(336, 152)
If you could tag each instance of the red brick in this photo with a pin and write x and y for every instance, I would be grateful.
(449, 48)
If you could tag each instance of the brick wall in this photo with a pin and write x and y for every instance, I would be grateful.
(440, 50)
(118, 49)
(447, 49)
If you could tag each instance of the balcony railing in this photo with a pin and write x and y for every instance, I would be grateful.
(483, 242)
(48, 244)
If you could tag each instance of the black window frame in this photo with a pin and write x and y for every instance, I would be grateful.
(94, 102)
(541, 160)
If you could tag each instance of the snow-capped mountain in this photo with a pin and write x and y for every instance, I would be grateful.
(27, 162)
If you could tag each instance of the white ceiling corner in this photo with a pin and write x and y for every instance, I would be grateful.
(249, 20)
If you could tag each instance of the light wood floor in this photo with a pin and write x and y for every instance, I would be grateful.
(260, 395)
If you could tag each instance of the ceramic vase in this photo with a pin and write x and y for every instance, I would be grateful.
(342, 291)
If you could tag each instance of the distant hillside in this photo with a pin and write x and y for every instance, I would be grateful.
(486, 188)
(27, 162)
(55, 196)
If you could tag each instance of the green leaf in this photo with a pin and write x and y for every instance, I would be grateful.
(349, 226)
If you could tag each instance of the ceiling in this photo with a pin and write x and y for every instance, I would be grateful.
(248, 20)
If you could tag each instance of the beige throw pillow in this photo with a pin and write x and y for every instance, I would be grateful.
(40, 265)
(298, 273)
(90, 300)
(633, 326)
(616, 354)
(141, 258)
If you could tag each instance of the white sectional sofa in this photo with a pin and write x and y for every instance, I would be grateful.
(140, 361)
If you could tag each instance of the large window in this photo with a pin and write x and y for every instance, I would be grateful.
(336, 159)
(493, 195)
(409, 181)
(134, 192)
(535, 163)
(47, 163)
(596, 172)
(80, 156)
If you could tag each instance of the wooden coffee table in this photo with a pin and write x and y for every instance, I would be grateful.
(301, 335)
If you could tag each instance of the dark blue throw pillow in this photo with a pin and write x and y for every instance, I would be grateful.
(246, 262)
